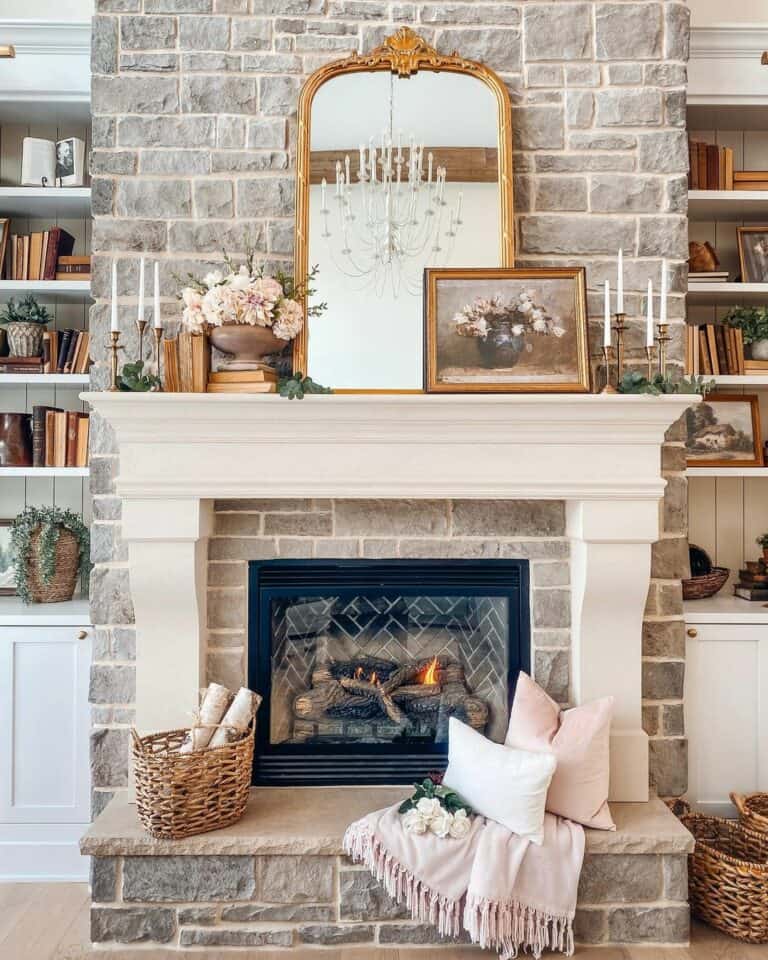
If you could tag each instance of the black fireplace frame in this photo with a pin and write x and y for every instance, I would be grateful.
(350, 764)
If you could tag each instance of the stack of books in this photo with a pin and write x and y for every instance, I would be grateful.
(243, 381)
(715, 349)
(750, 180)
(710, 167)
(709, 276)
(35, 256)
(753, 581)
(187, 361)
(59, 437)
(21, 365)
(66, 351)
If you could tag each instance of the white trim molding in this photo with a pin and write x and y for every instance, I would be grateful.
(48, 37)
(601, 454)
(725, 65)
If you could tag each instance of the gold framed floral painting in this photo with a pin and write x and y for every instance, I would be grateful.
(506, 331)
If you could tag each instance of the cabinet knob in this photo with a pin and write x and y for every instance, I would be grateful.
(82, 635)
(692, 632)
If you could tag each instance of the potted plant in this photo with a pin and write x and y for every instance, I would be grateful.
(762, 541)
(24, 322)
(753, 322)
(51, 550)
(246, 313)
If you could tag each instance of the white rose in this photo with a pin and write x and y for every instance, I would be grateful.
(429, 806)
(540, 326)
(213, 279)
(440, 824)
(414, 822)
(460, 826)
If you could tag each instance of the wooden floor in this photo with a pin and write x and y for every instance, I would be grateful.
(49, 921)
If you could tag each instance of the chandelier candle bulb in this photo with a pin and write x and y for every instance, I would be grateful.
(323, 188)
(399, 146)
(361, 166)
(346, 169)
(458, 209)
(620, 282)
(429, 168)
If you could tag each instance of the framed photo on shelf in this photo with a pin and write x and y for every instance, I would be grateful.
(505, 330)
(753, 254)
(724, 431)
(5, 232)
(7, 577)
(70, 161)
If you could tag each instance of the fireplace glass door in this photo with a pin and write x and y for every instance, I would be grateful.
(362, 664)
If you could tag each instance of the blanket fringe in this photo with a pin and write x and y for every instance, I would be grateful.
(506, 927)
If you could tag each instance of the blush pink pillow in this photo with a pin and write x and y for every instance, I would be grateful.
(579, 739)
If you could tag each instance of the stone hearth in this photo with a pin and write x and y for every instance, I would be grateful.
(279, 878)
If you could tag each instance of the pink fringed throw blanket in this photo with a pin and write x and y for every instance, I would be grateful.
(507, 893)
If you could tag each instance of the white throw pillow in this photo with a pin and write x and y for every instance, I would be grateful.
(498, 782)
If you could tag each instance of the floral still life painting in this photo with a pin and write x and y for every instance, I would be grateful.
(506, 330)
(724, 430)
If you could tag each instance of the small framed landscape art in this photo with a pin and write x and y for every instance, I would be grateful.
(505, 331)
(753, 254)
(724, 431)
(7, 577)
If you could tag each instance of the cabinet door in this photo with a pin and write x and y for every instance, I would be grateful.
(44, 719)
(726, 713)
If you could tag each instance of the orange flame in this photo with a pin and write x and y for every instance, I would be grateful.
(359, 673)
(431, 674)
(374, 678)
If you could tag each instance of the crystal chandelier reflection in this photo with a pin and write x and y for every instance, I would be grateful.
(383, 228)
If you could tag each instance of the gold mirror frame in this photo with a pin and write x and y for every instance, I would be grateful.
(404, 54)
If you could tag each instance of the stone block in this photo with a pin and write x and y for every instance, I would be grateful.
(221, 937)
(226, 668)
(581, 163)
(576, 236)
(149, 62)
(620, 878)
(448, 549)
(677, 31)
(227, 574)
(213, 199)
(103, 879)
(109, 758)
(112, 684)
(675, 871)
(110, 596)
(544, 75)
(231, 132)
(582, 75)
(104, 45)
(266, 134)
(333, 934)
(602, 141)
(363, 897)
(238, 524)
(617, 193)
(556, 31)
(166, 131)
(664, 638)
(210, 236)
(280, 237)
(672, 719)
(179, 162)
(242, 548)
(625, 74)
(296, 879)
(499, 48)
(251, 34)
(125, 94)
(629, 108)
(665, 599)
(663, 679)
(551, 638)
(219, 94)
(132, 924)
(675, 108)
(669, 558)
(579, 108)
(147, 33)
(507, 518)
(164, 199)
(628, 31)
(561, 193)
(551, 608)
(298, 524)
(124, 643)
(416, 933)
(189, 878)
(291, 913)
(178, 6)
(590, 926)
(650, 720)
(265, 198)
(665, 75)
(664, 152)
(226, 608)
(552, 672)
(538, 127)
(551, 574)
(649, 925)
(669, 766)
(675, 505)
(204, 33)
(375, 518)
(249, 161)
(279, 96)
(199, 916)
(663, 237)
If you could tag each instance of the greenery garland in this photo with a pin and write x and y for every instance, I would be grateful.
(634, 382)
(50, 521)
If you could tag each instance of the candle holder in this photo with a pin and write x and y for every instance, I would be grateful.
(158, 334)
(649, 353)
(114, 347)
(141, 326)
(608, 388)
(619, 327)
(663, 339)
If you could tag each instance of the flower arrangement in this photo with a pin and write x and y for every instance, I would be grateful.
(483, 315)
(246, 295)
(436, 809)
(762, 541)
(50, 521)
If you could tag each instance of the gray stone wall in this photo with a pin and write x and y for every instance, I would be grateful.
(194, 129)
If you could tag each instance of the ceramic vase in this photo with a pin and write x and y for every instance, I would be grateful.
(247, 345)
(759, 349)
(25, 339)
(502, 347)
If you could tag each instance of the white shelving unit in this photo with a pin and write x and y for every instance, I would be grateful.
(727, 205)
(725, 608)
(71, 614)
(753, 380)
(43, 472)
(44, 379)
(703, 292)
(730, 472)
(66, 291)
(45, 201)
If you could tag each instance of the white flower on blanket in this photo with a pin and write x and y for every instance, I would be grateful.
(429, 816)
(460, 825)
(415, 822)
(429, 807)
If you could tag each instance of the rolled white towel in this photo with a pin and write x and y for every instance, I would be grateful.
(240, 713)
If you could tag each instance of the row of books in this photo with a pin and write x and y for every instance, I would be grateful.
(753, 581)
(59, 437)
(36, 256)
(715, 349)
(66, 351)
(709, 276)
(187, 360)
(243, 381)
(710, 167)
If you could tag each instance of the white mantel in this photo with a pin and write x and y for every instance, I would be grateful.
(599, 453)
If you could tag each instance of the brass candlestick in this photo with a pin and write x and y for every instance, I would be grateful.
(141, 326)
(619, 327)
(608, 388)
(663, 339)
(158, 334)
(114, 347)
(649, 355)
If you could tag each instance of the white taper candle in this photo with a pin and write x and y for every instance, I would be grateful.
(140, 309)
(113, 324)
(649, 332)
(157, 319)
(620, 282)
(607, 316)
(663, 303)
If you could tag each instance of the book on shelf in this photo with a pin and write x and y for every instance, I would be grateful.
(715, 349)
(59, 437)
(187, 363)
(35, 256)
(709, 276)
(756, 366)
(243, 376)
(710, 166)
(750, 593)
(243, 387)
(73, 268)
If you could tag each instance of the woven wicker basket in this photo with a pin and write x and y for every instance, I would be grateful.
(62, 585)
(728, 876)
(182, 794)
(753, 811)
(699, 588)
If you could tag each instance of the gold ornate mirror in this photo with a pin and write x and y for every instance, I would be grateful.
(404, 162)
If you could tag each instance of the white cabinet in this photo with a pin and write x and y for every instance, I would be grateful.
(44, 764)
(726, 701)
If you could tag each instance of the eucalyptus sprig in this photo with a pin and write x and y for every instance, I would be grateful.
(297, 385)
(134, 380)
(27, 310)
(50, 521)
(430, 790)
(752, 321)
(635, 382)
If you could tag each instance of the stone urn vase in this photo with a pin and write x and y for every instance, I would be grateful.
(24, 339)
(501, 347)
(759, 349)
(247, 345)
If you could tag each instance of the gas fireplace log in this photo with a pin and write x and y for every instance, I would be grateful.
(314, 704)
(416, 691)
(376, 691)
